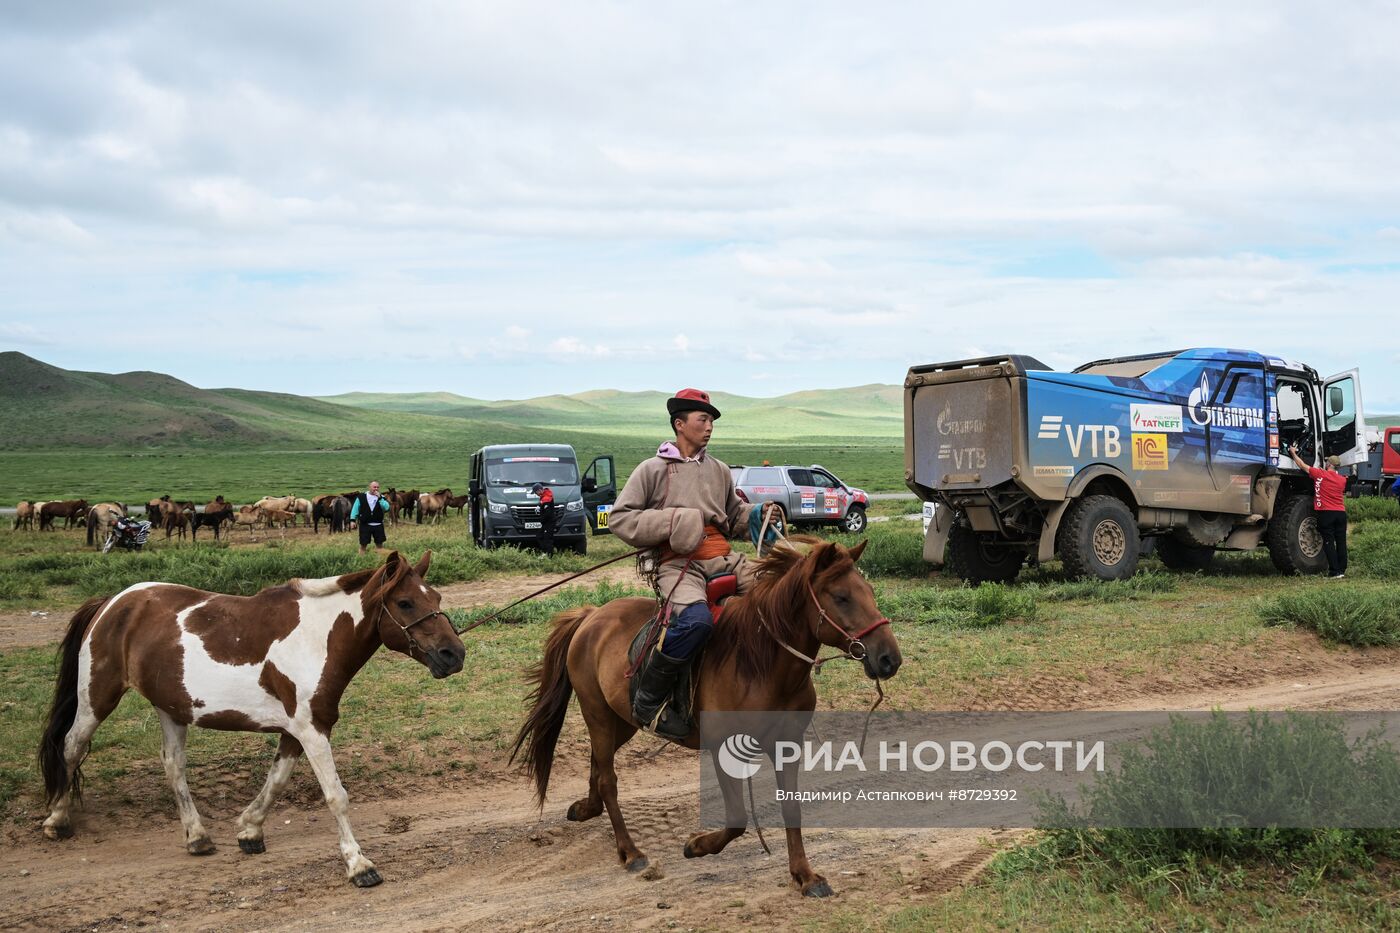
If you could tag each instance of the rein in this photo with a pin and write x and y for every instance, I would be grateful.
(500, 612)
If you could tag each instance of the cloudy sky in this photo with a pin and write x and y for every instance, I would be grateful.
(506, 200)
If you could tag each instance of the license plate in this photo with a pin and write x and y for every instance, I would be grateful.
(532, 526)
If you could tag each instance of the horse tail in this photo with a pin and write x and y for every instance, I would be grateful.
(91, 524)
(540, 733)
(52, 760)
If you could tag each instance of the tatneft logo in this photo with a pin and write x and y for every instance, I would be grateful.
(740, 756)
(1222, 416)
(1101, 437)
(1163, 418)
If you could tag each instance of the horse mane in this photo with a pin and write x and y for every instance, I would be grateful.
(776, 607)
(324, 586)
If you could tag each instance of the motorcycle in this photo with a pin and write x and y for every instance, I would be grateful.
(128, 534)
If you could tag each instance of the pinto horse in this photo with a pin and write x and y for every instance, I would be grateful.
(274, 662)
(760, 658)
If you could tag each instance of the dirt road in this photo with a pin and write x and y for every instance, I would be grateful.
(475, 852)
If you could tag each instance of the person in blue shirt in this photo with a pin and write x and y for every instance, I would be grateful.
(369, 510)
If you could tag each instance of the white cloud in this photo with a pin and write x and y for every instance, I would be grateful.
(525, 184)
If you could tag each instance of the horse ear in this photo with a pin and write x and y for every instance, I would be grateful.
(421, 568)
(826, 554)
(859, 549)
(392, 559)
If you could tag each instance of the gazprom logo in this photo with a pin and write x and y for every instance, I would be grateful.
(740, 756)
(1222, 416)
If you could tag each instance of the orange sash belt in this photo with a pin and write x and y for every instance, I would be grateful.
(714, 544)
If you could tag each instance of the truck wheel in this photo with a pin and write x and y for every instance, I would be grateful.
(1099, 539)
(1178, 555)
(854, 522)
(969, 558)
(1294, 543)
(580, 546)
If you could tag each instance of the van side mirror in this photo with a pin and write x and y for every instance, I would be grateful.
(590, 484)
(1336, 401)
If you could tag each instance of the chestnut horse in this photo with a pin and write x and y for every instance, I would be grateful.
(433, 506)
(798, 602)
(274, 662)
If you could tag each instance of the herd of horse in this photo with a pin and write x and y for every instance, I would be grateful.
(177, 517)
(279, 662)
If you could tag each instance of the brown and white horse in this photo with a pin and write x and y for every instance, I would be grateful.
(274, 662)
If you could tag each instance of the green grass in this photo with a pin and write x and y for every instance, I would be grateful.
(1340, 613)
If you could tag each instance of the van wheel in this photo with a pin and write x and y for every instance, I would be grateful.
(1294, 543)
(1178, 555)
(854, 522)
(970, 558)
(1099, 539)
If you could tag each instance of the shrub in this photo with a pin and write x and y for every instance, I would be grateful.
(1241, 785)
(1338, 613)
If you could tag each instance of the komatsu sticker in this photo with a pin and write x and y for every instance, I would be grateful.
(1107, 437)
(1160, 418)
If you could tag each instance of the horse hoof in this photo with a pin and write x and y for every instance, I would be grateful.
(252, 846)
(637, 864)
(367, 878)
(203, 846)
(63, 831)
(817, 888)
(575, 814)
(690, 851)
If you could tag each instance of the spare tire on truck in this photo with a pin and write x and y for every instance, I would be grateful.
(1294, 543)
(1098, 539)
(975, 560)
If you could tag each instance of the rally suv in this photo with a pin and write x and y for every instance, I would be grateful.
(805, 494)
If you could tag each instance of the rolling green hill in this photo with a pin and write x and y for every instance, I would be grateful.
(866, 412)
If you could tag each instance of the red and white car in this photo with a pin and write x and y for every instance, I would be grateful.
(806, 494)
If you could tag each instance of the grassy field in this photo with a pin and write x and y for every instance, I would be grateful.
(245, 475)
(1044, 641)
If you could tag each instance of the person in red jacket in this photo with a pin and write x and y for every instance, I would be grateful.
(1331, 511)
(545, 537)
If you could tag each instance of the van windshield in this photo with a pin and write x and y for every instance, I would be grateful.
(527, 471)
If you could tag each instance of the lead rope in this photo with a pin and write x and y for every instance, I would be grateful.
(499, 612)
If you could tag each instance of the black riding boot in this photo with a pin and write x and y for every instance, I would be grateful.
(658, 681)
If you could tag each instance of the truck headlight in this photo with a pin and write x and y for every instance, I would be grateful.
(500, 508)
(573, 505)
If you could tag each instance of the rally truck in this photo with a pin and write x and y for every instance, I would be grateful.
(1187, 449)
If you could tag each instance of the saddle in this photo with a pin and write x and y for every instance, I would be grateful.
(676, 720)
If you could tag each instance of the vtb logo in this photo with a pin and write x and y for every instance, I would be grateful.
(1100, 437)
(740, 756)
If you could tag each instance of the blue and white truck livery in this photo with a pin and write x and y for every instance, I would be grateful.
(1189, 447)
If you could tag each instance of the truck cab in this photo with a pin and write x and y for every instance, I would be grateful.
(1188, 447)
(503, 509)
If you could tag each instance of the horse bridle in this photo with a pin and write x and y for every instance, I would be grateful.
(855, 648)
(412, 642)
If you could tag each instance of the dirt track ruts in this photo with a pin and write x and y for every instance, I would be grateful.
(460, 855)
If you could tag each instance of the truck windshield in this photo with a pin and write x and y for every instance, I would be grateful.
(527, 471)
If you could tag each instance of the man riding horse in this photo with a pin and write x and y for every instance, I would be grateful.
(682, 502)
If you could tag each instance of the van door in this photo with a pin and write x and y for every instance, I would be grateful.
(476, 485)
(599, 492)
(1344, 421)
